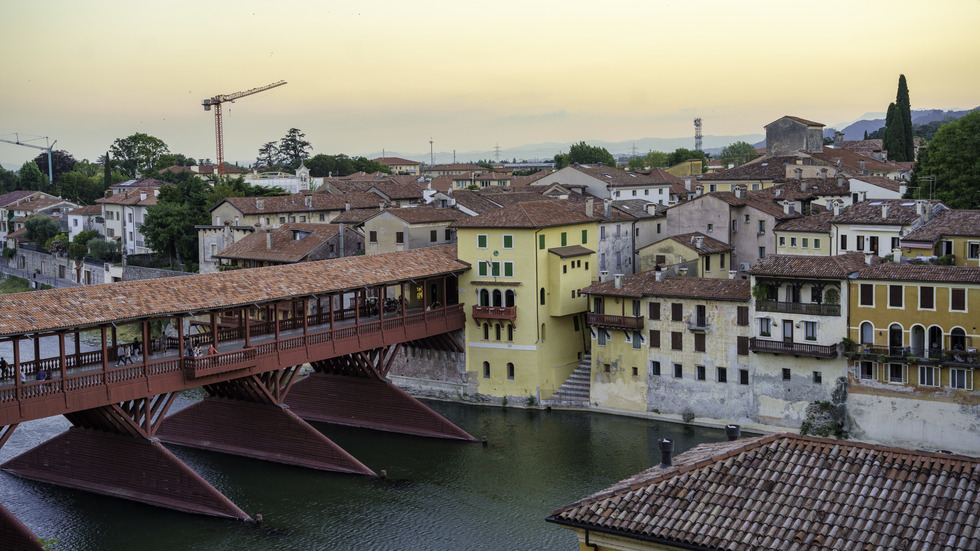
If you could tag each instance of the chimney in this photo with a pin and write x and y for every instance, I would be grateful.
(603, 275)
(838, 140)
(840, 180)
(698, 241)
(884, 211)
(733, 432)
(823, 173)
(660, 274)
(381, 206)
(651, 208)
(619, 281)
(804, 185)
(682, 271)
(698, 190)
(607, 208)
(588, 207)
(836, 208)
(788, 207)
(260, 204)
(268, 239)
(830, 205)
(687, 184)
(142, 195)
(309, 201)
(868, 257)
(798, 173)
(739, 192)
(861, 165)
(108, 193)
(666, 449)
(347, 205)
(920, 208)
(732, 274)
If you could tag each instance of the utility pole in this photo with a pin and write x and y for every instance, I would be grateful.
(430, 151)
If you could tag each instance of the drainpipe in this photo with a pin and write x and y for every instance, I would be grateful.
(537, 292)
(589, 544)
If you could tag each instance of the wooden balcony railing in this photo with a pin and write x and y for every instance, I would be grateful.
(617, 322)
(908, 354)
(495, 313)
(794, 348)
(811, 309)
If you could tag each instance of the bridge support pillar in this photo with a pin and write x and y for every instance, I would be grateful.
(351, 390)
(246, 417)
(15, 535)
(111, 450)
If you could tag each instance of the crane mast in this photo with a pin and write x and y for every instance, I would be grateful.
(16, 141)
(216, 102)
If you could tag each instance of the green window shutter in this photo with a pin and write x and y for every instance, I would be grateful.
(508, 241)
(481, 241)
(585, 236)
(508, 269)
(482, 269)
(564, 239)
(496, 269)
(541, 242)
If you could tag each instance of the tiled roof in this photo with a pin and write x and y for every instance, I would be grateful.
(570, 251)
(355, 216)
(709, 245)
(474, 201)
(395, 161)
(637, 208)
(129, 300)
(901, 212)
(530, 214)
(762, 200)
(425, 215)
(864, 146)
(880, 181)
(793, 265)
(761, 168)
(483, 176)
(130, 197)
(91, 210)
(389, 187)
(14, 196)
(39, 204)
(851, 161)
(948, 223)
(790, 492)
(614, 177)
(646, 284)
(800, 120)
(818, 223)
(442, 183)
(297, 202)
(921, 272)
(140, 183)
(285, 248)
(456, 166)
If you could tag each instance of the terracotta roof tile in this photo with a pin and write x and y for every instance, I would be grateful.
(14, 196)
(285, 248)
(788, 492)
(790, 265)
(91, 210)
(900, 212)
(948, 223)
(131, 197)
(646, 284)
(297, 202)
(356, 216)
(817, 223)
(395, 161)
(921, 272)
(128, 300)
(424, 215)
(530, 214)
(761, 168)
(709, 245)
(615, 177)
(571, 251)
(39, 204)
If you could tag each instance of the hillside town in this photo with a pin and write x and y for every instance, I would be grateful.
(805, 291)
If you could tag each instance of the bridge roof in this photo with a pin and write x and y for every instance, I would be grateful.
(42, 311)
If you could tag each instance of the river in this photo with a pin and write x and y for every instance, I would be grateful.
(439, 494)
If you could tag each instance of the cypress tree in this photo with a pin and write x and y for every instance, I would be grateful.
(107, 170)
(903, 106)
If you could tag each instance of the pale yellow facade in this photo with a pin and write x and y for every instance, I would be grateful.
(965, 250)
(803, 243)
(528, 332)
(669, 252)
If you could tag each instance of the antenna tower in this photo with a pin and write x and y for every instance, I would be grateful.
(697, 134)
(496, 152)
(430, 151)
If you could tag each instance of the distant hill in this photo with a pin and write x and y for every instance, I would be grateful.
(856, 130)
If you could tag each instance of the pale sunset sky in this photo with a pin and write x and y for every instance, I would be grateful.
(369, 75)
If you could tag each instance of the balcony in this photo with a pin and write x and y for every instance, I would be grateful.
(794, 348)
(616, 322)
(905, 354)
(508, 313)
(811, 309)
(698, 325)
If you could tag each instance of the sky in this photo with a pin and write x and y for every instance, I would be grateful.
(368, 76)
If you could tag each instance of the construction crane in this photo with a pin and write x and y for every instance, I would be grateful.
(216, 101)
(16, 141)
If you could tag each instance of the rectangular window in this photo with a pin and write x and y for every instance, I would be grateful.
(700, 372)
(655, 338)
(743, 316)
(896, 373)
(721, 261)
(957, 300)
(481, 241)
(510, 372)
(495, 269)
(867, 294)
(928, 375)
(564, 239)
(399, 238)
(602, 232)
(585, 237)
(699, 342)
(676, 312)
(743, 376)
(866, 370)
(792, 242)
(734, 226)
(541, 242)
(508, 269)
(282, 219)
(762, 252)
(637, 340)
(973, 250)
(762, 227)
(843, 242)
(655, 368)
(765, 327)
(817, 377)
(961, 379)
(810, 330)
(896, 243)
(707, 263)
(481, 268)
(655, 310)
(433, 236)
(676, 340)
(805, 242)
(860, 243)
(711, 228)
(787, 374)
(895, 294)
(601, 337)
(449, 234)
(508, 241)
(486, 370)
(927, 298)
(619, 260)
(743, 346)
(816, 243)
(722, 373)
(636, 371)
(678, 371)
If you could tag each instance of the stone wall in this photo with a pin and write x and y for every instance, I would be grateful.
(134, 273)
(430, 372)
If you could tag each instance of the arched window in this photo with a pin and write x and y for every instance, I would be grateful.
(895, 339)
(486, 331)
(497, 298)
(510, 332)
(497, 328)
(935, 338)
(957, 339)
(542, 296)
(484, 297)
(509, 298)
(486, 370)
(867, 333)
(917, 341)
(510, 371)
(542, 332)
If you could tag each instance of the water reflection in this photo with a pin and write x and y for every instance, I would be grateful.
(439, 494)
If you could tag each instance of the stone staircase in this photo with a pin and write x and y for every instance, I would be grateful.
(575, 390)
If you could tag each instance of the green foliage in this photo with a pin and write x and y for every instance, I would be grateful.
(9, 252)
(238, 187)
(657, 159)
(584, 153)
(8, 180)
(531, 401)
(341, 165)
(832, 296)
(174, 159)
(682, 154)
(79, 245)
(76, 186)
(953, 158)
(637, 163)
(48, 544)
(57, 244)
(61, 162)
(107, 251)
(293, 148)
(32, 178)
(738, 153)
(14, 284)
(898, 126)
(761, 291)
(41, 228)
(138, 153)
(169, 225)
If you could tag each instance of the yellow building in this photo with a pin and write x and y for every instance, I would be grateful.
(912, 354)
(809, 235)
(695, 253)
(526, 327)
(954, 233)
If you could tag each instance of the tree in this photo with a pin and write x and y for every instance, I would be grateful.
(169, 224)
(107, 251)
(40, 229)
(637, 163)
(138, 153)
(363, 164)
(8, 180)
(657, 159)
(682, 154)
(79, 245)
(737, 153)
(61, 162)
(903, 105)
(953, 159)
(32, 178)
(293, 147)
(76, 186)
(268, 155)
(586, 154)
(174, 159)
